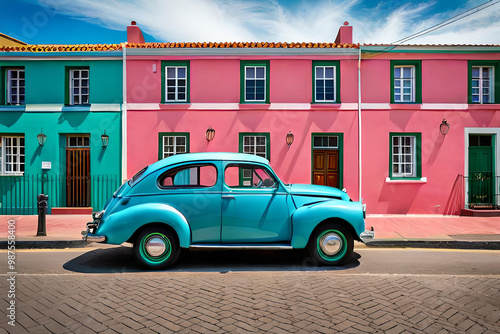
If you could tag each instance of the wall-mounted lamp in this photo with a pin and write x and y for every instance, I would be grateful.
(210, 134)
(104, 139)
(41, 138)
(289, 138)
(444, 127)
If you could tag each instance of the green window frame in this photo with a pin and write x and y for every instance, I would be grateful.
(416, 81)
(171, 143)
(261, 73)
(405, 155)
(247, 145)
(477, 88)
(325, 76)
(176, 82)
(69, 94)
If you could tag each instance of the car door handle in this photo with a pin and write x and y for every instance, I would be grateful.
(228, 196)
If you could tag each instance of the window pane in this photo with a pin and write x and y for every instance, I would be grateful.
(170, 72)
(319, 72)
(181, 72)
(329, 72)
(260, 72)
(250, 72)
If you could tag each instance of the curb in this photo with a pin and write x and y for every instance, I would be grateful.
(57, 244)
(439, 244)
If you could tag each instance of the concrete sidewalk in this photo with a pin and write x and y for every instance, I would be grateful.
(390, 231)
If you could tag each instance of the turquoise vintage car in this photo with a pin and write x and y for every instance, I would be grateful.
(225, 200)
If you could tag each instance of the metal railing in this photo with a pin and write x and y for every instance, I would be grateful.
(482, 190)
(18, 193)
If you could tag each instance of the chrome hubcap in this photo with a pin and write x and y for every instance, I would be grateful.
(330, 243)
(155, 246)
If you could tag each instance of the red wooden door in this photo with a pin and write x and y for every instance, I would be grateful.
(326, 167)
(78, 176)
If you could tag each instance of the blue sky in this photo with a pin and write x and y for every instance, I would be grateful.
(384, 21)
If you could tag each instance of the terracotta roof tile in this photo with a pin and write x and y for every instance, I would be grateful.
(211, 45)
(61, 48)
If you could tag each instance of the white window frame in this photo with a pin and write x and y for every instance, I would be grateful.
(398, 157)
(481, 86)
(176, 86)
(255, 79)
(76, 83)
(19, 83)
(251, 148)
(174, 144)
(17, 166)
(399, 97)
(324, 79)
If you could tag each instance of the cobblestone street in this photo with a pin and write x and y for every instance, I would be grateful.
(240, 302)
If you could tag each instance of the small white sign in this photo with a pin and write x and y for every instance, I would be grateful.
(46, 164)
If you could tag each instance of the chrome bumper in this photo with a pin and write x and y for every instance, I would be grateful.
(88, 235)
(367, 235)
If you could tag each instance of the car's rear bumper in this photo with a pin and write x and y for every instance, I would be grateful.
(88, 236)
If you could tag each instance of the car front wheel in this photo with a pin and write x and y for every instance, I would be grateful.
(156, 248)
(331, 244)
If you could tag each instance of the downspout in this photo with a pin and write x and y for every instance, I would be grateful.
(124, 113)
(360, 198)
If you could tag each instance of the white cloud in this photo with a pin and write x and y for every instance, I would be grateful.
(258, 20)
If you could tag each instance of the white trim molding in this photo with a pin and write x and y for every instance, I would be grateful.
(421, 180)
(44, 107)
(105, 107)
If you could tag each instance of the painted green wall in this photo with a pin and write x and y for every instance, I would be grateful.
(46, 81)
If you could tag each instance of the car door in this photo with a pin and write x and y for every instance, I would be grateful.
(255, 207)
(194, 189)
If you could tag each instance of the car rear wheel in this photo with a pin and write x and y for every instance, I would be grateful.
(156, 248)
(331, 244)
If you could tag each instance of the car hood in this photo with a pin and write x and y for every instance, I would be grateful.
(313, 190)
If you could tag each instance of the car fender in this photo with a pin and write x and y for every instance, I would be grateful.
(306, 218)
(120, 226)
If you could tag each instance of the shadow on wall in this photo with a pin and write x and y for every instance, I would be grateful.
(10, 118)
(74, 120)
(399, 197)
(456, 200)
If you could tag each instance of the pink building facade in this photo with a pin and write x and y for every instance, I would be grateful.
(256, 95)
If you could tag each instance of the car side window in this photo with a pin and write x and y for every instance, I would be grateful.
(248, 176)
(189, 176)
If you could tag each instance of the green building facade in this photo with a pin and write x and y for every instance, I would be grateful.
(60, 129)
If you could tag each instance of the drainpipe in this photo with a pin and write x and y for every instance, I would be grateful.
(359, 124)
(124, 113)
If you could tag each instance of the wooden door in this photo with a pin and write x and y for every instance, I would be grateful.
(78, 176)
(326, 167)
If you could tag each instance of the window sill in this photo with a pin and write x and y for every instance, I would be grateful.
(12, 107)
(76, 107)
(483, 106)
(402, 180)
(406, 106)
(326, 105)
(252, 105)
(175, 105)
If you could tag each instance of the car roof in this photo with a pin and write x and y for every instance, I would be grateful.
(206, 156)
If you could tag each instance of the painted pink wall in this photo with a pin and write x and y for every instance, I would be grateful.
(291, 81)
(378, 72)
(349, 81)
(291, 164)
(143, 85)
(215, 80)
(445, 81)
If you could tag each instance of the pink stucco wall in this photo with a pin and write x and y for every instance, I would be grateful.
(291, 164)
(291, 81)
(444, 81)
(217, 80)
